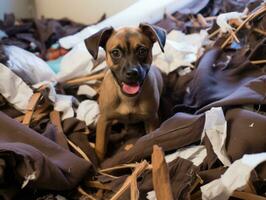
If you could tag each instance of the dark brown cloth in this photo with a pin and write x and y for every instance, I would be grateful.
(25, 151)
(247, 133)
(182, 175)
(78, 133)
(218, 82)
(178, 131)
(3, 56)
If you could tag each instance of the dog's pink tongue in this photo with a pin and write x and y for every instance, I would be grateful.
(130, 89)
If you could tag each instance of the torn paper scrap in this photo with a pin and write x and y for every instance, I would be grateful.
(87, 91)
(28, 66)
(88, 111)
(151, 195)
(76, 63)
(195, 154)
(222, 20)
(28, 178)
(180, 50)
(235, 177)
(63, 103)
(14, 89)
(215, 128)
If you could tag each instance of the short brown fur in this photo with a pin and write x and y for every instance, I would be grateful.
(114, 104)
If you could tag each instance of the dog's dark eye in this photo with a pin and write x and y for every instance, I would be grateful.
(116, 53)
(142, 52)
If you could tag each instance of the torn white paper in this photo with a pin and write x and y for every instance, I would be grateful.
(14, 89)
(28, 66)
(222, 20)
(78, 62)
(180, 50)
(87, 91)
(28, 178)
(215, 128)
(151, 195)
(63, 103)
(88, 111)
(195, 154)
(59, 197)
(235, 177)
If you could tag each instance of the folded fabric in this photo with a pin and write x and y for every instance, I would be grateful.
(33, 161)
(179, 131)
(221, 79)
(28, 66)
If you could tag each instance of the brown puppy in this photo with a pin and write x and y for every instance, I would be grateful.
(131, 89)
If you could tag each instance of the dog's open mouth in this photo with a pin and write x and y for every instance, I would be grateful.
(130, 89)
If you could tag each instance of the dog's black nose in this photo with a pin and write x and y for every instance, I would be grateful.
(132, 73)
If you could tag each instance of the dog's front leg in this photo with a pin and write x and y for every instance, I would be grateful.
(152, 124)
(102, 134)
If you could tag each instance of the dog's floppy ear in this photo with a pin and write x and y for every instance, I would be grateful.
(97, 40)
(155, 33)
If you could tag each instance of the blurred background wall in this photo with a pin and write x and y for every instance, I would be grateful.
(22, 8)
(83, 11)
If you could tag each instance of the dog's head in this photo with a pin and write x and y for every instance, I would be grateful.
(128, 53)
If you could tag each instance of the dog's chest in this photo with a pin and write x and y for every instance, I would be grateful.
(133, 111)
(127, 108)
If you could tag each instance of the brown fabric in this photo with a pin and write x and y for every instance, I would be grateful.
(218, 83)
(238, 6)
(52, 133)
(186, 20)
(36, 35)
(115, 185)
(8, 109)
(211, 158)
(25, 151)
(60, 135)
(211, 174)
(174, 90)
(81, 140)
(246, 133)
(72, 124)
(78, 133)
(182, 175)
(3, 56)
(178, 131)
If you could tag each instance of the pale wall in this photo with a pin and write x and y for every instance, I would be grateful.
(84, 11)
(21, 8)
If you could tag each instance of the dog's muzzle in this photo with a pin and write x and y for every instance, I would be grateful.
(132, 84)
(131, 81)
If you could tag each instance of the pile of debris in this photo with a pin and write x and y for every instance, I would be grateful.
(211, 143)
